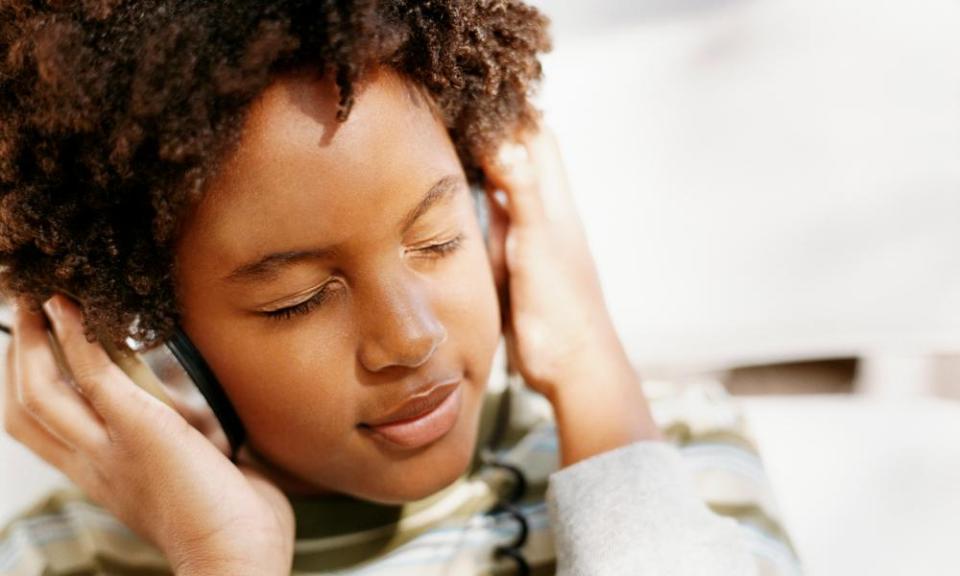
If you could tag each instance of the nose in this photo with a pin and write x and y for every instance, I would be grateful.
(400, 327)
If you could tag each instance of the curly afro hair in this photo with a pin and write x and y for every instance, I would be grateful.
(113, 114)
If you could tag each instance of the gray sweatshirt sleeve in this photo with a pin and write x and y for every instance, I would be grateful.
(634, 510)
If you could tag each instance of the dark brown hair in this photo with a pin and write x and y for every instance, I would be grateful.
(113, 114)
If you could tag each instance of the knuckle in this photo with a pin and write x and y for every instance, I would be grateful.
(90, 389)
(11, 424)
(101, 449)
(16, 427)
(32, 402)
(89, 378)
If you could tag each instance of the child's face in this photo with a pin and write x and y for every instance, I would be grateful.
(406, 305)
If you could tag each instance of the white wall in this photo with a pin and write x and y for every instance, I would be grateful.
(766, 179)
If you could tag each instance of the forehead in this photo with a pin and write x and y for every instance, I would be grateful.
(299, 177)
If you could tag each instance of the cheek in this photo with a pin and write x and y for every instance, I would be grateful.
(297, 386)
(286, 383)
(471, 312)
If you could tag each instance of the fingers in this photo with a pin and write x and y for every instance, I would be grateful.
(531, 175)
(23, 428)
(44, 393)
(513, 172)
(38, 440)
(103, 384)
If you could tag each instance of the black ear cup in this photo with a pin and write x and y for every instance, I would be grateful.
(208, 385)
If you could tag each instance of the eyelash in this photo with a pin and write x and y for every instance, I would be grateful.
(320, 296)
(444, 248)
(305, 307)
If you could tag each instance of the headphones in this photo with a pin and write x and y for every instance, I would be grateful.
(180, 355)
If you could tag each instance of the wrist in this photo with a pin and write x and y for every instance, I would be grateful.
(236, 565)
(260, 557)
(599, 404)
(599, 361)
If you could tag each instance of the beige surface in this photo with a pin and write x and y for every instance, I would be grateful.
(866, 487)
(23, 477)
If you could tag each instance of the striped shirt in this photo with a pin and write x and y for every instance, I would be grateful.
(493, 520)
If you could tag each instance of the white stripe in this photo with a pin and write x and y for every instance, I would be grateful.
(441, 546)
(765, 545)
(705, 456)
(462, 494)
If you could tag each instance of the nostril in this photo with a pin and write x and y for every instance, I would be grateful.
(399, 326)
(398, 349)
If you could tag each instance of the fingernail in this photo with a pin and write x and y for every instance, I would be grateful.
(52, 306)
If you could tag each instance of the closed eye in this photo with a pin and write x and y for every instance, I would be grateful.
(321, 295)
(442, 249)
(306, 306)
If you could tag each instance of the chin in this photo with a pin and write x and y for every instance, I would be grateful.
(418, 479)
(436, 467)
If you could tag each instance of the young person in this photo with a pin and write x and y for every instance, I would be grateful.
(287, 184)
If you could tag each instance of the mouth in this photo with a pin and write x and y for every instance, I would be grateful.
(421, 420)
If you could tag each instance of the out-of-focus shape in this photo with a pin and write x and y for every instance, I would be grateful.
(766, 181)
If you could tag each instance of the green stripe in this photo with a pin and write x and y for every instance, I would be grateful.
(680, 434)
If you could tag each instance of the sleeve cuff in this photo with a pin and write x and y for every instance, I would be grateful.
(635, 509)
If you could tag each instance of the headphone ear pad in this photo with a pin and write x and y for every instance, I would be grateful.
(206, 382)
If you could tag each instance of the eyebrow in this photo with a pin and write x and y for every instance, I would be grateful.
(442, 190)
(268, 265)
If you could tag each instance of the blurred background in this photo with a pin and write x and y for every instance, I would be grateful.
(772, 193)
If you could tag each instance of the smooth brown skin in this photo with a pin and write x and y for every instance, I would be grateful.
(399, 318)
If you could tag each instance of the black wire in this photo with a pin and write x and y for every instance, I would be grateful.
(522, 521)
(519, 489)
(206, 382)
(523, 567)
(513, 550)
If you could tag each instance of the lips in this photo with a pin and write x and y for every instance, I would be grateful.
(421, 419)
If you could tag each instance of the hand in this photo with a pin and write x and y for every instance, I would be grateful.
(559, 333)
(137, 457)
(555, 310)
